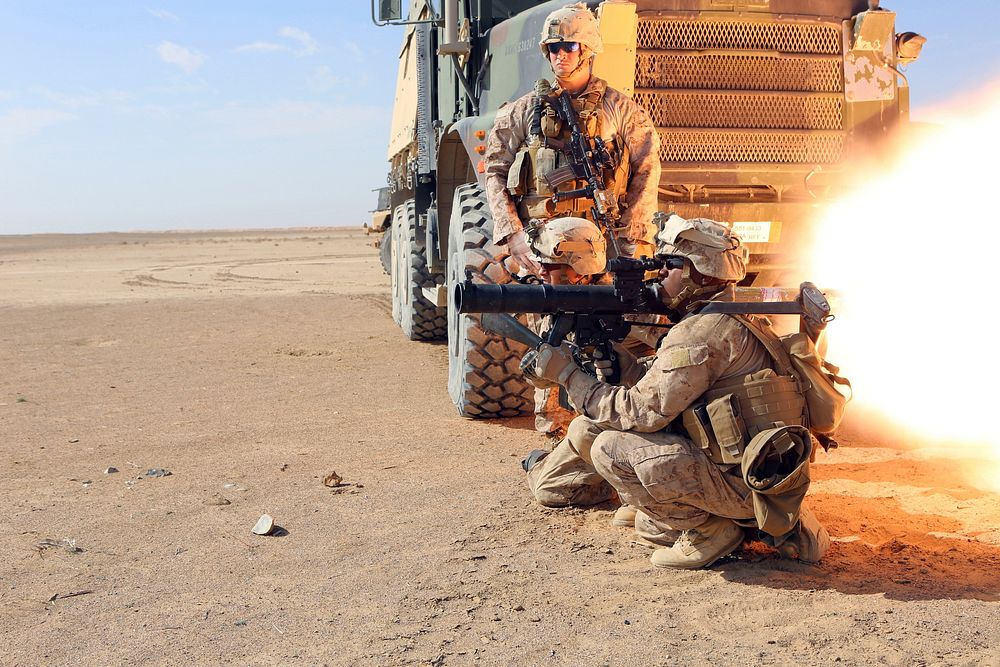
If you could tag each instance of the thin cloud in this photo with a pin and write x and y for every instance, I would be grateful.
(23, 123)
(322, 79)
(308, 45)
(180, 88)
(162, 14)
(261, 47)
(287, 119)
(83, 99)
(354, 50)
(187, 59)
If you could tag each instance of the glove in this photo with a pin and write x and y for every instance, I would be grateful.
(528, 370)
(553, 365)
(631, 369)
(517, 246)
(604, 366)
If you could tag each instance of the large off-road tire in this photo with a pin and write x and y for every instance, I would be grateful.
(385, 251)
(483, 375)
(416, 316)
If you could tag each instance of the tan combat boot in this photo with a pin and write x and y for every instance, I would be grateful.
(652, 531)
(624, 516)
(700, 547)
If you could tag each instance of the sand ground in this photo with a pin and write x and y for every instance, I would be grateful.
(251, 364)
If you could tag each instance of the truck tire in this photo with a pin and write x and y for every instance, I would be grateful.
(416, 316)
(484, 379)
(385, 251)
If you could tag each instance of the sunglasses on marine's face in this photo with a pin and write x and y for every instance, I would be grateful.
(566, 47)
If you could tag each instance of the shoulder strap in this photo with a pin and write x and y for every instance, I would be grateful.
(832, 372)
(771, 343)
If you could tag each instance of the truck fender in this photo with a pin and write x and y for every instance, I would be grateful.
(473, 131)
(459, 162)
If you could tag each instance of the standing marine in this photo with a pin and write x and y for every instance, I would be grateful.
(528, 158)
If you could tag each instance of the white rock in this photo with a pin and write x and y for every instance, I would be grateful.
(264, 525)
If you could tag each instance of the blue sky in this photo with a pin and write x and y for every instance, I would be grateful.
(183, 114)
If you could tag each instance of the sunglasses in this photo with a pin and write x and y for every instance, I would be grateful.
(565, 47)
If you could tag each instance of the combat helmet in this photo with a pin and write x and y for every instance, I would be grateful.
(713, 248)
(572, 23)
(573, 242)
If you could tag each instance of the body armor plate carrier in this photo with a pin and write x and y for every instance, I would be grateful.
(543, 165)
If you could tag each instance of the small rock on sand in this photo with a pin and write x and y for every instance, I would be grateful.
(264, 525)
(217, 499)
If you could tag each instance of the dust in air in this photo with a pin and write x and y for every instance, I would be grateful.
(914, 253)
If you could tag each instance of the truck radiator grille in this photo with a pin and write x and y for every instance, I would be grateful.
(738, 72)
(703, 146)
(743, 110)
(786, 37)
(724, 90)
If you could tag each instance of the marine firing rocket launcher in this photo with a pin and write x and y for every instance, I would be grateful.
(599, 315)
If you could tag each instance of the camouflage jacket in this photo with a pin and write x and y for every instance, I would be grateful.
(621, 116)
(698, 353)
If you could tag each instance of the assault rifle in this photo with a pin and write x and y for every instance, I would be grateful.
(599, 315)
(588, 165)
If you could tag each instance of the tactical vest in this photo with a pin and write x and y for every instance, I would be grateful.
(732, 412)
(543, 165)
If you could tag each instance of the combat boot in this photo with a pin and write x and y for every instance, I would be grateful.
(808, 541)
(700, 547)
(652, 531)
(624, 516)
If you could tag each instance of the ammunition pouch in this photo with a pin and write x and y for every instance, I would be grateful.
(552, 126)
(544, 165)
(520, 172)
(540, 207)
(731, 414)
(795, 354)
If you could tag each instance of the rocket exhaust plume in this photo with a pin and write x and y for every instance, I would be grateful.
(914, 254)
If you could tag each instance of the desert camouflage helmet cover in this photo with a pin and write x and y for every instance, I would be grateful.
(573, 242)
(572, 23)
(713, 248)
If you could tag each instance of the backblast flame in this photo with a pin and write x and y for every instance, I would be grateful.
(914, 256)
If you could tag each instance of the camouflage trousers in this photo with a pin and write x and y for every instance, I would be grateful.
(669, 479)
(565, 477)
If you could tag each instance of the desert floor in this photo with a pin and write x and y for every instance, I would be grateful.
(252, 364)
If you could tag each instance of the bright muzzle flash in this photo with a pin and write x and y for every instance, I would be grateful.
(914, 255)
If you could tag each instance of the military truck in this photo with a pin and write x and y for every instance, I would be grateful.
(760, 106)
